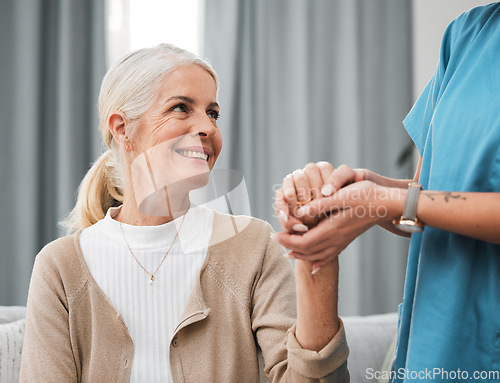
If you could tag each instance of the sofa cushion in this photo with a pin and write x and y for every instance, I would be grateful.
(11, 346)
(369, 339)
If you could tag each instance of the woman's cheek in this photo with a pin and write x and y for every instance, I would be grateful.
(165, 130)
(217, 148)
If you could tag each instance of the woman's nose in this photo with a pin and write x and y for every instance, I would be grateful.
(204, 126)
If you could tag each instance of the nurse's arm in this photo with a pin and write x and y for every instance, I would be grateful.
(392, 183)
(475, 215)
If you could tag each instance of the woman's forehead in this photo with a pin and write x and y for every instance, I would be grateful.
(191, 82)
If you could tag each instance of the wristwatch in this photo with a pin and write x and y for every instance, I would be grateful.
(409, 222)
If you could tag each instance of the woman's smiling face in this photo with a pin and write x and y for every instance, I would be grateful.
(178, 141)
(183, 117)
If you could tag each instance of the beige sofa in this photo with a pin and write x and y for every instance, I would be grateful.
(369, 339)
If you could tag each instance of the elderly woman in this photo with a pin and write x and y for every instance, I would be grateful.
(150, 288)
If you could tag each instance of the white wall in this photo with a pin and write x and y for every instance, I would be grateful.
(430, 18)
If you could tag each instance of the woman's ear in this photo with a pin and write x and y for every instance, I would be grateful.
(116, 124)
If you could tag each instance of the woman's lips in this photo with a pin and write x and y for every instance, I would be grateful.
(199, 153)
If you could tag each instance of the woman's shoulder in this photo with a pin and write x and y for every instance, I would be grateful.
(247, 237)
(58, 263)
(58, 250)
(482, 12)
(243, 227)
(471, 22)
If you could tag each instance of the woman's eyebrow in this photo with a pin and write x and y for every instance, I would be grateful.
(188, 100)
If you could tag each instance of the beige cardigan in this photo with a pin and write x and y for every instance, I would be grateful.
(244, 299)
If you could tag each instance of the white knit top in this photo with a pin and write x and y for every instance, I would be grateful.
(151, 312)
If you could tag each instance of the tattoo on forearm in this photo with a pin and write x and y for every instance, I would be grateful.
(446, 195)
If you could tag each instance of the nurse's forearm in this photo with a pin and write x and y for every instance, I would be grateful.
(392, 183)
(317, 299)
(475, 215)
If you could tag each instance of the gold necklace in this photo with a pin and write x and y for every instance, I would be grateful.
(164, 257)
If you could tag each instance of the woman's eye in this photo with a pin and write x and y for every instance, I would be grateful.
(179, 108)
(213, 114)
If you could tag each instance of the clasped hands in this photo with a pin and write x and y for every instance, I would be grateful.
(321, 210)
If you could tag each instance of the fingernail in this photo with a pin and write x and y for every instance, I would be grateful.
(303, 211)
(297, 172)
(315, 270)
(300, 227)
(327, 190)
(283, 215)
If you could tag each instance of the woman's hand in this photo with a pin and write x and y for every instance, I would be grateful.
(352, 205)
(342, 176)
(347, 214)
(299, 188)
(317, 295)
(313, 182)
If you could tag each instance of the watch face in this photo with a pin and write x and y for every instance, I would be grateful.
(409, 226)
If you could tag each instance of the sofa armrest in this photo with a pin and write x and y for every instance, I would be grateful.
(11, 313)
(12, 326)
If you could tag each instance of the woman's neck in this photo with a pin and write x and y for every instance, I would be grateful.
(158, 210)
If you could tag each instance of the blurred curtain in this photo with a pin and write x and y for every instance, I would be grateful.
(303, 81)
(52, 62)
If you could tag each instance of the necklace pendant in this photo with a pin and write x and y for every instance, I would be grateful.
(164, 257)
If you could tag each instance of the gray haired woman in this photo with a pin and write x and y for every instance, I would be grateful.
(150, 288)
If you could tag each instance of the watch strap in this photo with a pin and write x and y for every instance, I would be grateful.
(410, 209)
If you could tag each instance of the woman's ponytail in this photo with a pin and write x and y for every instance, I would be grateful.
(99, 190)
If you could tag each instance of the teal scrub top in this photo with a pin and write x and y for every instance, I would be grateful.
(449, 320)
